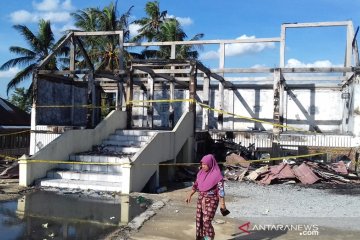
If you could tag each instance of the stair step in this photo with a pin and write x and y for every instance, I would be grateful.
(98, 158)
(111, 169)
(135, 132)
(122, 149)
(131, 138)
(125, 143)
(84, 176)
(84, 185)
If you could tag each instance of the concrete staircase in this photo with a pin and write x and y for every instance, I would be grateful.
(100, 172)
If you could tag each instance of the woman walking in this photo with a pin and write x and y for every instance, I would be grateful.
(210, 185)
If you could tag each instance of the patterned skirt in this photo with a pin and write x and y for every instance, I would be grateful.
(205, 212)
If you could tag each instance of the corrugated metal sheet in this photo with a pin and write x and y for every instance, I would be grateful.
(264, 140)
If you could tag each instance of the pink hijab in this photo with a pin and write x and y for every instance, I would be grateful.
(207, 180)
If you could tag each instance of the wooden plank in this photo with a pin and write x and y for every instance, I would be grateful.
(192, 89)
(316, 24)
(121, 50)
(202, 42)
(172, 91)
(275, 152)
(72, 68)
(285, 70)
(259, 70)
(282, 45)
(119, 95)
(161, 75)
(97, 33)
(129, 98)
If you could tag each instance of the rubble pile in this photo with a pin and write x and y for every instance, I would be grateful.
(288, 171)
(9, 169)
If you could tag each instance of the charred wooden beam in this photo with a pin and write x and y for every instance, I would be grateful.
(84, 53)
(97, 33)
(63, 72)
(160, 75)
(47, 59)
(129, 98)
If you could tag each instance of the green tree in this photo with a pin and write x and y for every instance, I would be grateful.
(20, 99)
(40, 45)
(157, 27)
(150, 25)
(171, 30)
(103, 51)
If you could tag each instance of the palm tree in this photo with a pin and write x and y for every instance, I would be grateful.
(150, 25)
(156, 26)
(40, 45)
(171, 30)
(103, 51)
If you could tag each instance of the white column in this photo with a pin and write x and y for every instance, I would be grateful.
(356, 107)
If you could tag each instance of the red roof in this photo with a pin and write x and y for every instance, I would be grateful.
(11, 115)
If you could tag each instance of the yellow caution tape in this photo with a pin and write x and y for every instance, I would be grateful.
(150, 164)
(253, 119)
(8, 157)
(14, 133)
(182, 100)
(160, 101)
(287, 157)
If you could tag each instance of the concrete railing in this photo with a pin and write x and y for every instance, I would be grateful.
(71, 141)
(164, 146)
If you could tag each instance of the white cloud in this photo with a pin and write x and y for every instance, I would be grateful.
(244, 48)
(210, 55)
(46, 5)
(184, 21)
(61, 30)
(293, 63)
(56, 16)
(23, 16)
(259, 66)
(134, 28)
(237, 49)
(10, 73)
(54, 10)
(67, 5)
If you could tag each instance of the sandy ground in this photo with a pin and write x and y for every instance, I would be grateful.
(177, 219)
(248, 203)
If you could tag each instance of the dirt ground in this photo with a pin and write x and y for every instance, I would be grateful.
(10, 189)
(176, 220)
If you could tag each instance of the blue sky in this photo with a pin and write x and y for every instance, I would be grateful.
(228, 19)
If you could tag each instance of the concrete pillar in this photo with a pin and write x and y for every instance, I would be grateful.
(150, 97)
(356, 106)
(206, 94)
(125, 209)
(24, 171)
(221, 87)
(126, 179)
